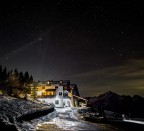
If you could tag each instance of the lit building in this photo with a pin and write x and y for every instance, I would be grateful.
(60, 93)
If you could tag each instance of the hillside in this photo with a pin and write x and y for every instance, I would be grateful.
(14, 111)
(121, 104)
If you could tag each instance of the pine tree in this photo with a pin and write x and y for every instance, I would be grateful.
(26, 77)
(31, 79)
(13, 82)
(21, 78)
(4, 75)
(8, 74)
(16, 72)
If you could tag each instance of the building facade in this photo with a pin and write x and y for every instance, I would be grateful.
(60, 93)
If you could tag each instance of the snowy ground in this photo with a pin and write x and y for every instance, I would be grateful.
(12, 108)
(65, 119)
(60, 119)
(134, 121)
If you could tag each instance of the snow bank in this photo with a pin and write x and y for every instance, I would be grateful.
(13, 111)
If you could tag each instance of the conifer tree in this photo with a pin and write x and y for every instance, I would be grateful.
(26, 77)
(4, 75)
(13, 82)
(21, 78)
(31, 79)
(16, 72)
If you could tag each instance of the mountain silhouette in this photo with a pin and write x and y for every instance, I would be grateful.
(121, 104)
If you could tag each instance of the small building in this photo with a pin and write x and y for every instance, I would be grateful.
(60, 93)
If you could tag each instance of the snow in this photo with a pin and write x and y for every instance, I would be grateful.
(134, 121)
(64, 119)
(60, 119)
(12, 108)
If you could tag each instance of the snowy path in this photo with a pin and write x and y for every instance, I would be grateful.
(64, 119)
(134, 121)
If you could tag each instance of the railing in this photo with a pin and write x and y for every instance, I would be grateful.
(134, 121)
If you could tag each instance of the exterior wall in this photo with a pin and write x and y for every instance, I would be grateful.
(58, 100)
(44, 87)
(59, 97)
(50, 93)
(39, 93)
(69, 94)
(45, 93)
(67, 102)
(47, 100)
(50, 87)
(41, 90)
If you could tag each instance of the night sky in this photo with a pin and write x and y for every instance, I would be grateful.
(97, 44)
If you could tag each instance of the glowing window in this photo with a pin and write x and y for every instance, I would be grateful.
(43, 93)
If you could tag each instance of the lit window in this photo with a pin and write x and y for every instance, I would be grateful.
(60, 93)
(56, 101)
(43, 93)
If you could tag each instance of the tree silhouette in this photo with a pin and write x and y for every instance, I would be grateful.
(13, 82)
(31, 79)
(21, 78)
(26, 78)
(4, 75)
(16, 72)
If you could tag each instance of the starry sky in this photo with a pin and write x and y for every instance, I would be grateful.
(97, 44)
